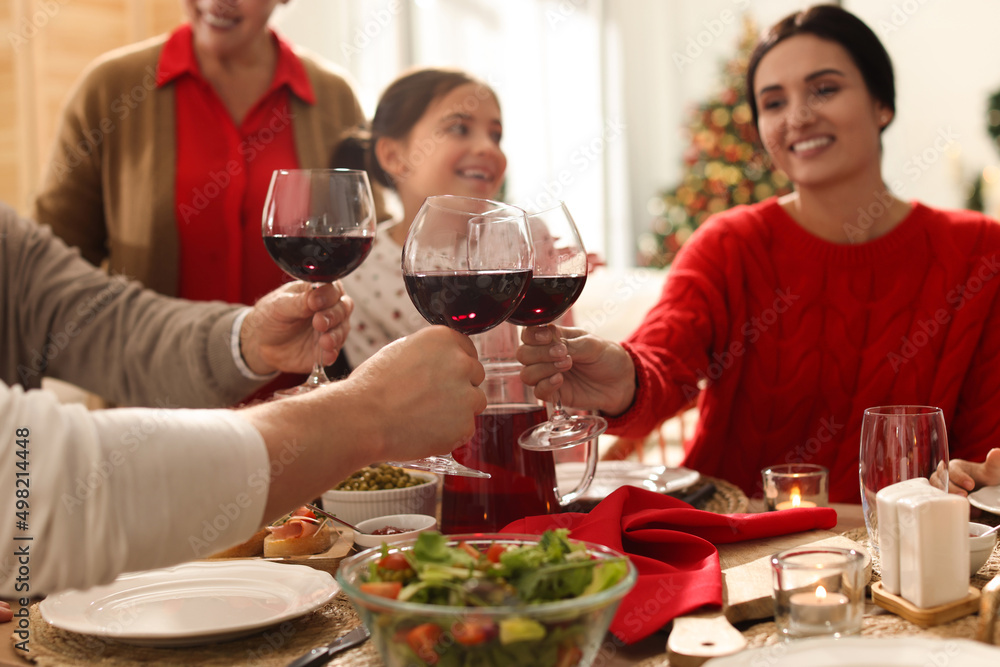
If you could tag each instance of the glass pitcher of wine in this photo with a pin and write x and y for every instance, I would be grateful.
(522, 482)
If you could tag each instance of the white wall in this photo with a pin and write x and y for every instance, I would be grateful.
(947, 61)
(614, 64)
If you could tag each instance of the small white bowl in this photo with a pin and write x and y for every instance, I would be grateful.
(413, 523)
(980, 548)
(357, 506)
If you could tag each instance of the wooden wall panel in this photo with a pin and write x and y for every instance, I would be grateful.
(10, 182)
(55, 40)
(76, 35)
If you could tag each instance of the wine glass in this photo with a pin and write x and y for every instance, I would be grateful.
(318, 226)
(898, 443)
(466, 265)
(559, 275)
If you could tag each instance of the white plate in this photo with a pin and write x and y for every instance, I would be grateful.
(193, 603)
(867, 652)
(611, 475)
(986, 498)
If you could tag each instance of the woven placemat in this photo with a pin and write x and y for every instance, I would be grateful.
(273, 647)
(727, 499)
(724, 498)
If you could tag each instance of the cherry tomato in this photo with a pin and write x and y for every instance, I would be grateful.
(493, 553)
(472, 631)
(568, 656)
(383, 589)
(422, 639)
(394, 561)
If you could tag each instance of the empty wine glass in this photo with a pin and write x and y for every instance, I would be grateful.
(900, 442)
(318, 226)
(466, 265)
(559, 275)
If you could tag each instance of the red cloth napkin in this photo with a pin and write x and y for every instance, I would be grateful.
(671, 544)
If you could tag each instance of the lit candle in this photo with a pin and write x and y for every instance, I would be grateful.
(818, 608)
(794, 500)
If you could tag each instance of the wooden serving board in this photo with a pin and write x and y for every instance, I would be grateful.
(930, 616)
(328, 561)
(746, 594)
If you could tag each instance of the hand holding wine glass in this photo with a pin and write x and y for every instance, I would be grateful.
(560, 272)
(466, 265)
(318, 226)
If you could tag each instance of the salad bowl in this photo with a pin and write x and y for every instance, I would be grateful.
(487, 600)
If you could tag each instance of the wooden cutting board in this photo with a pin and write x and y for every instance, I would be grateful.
(746, 594)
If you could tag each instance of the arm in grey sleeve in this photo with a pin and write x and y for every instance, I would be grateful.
(64, 318)
(113, 491)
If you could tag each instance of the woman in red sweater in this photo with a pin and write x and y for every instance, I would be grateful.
(786, 319)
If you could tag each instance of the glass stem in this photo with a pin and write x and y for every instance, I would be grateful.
(318, 375)
(559, 418)
(558, 414)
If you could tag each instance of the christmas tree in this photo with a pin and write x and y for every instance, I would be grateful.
(723, 165)
(975, 199)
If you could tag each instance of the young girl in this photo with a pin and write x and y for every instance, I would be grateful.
(788, 318)
(435, 132)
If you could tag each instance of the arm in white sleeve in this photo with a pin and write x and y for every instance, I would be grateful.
(120, 490)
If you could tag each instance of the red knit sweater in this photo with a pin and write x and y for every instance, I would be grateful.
(792, 337)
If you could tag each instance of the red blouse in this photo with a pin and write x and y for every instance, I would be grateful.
(223, 172)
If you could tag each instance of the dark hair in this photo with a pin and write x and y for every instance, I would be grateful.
(401, 106)
(834, 24)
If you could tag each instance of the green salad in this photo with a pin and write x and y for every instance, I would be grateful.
(487, 575)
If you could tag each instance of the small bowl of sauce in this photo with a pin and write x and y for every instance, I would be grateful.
(392, 528)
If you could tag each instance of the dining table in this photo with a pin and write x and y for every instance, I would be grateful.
(648, 652)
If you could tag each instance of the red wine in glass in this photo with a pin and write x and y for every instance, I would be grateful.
(318, 225)
(547, 298)
(466, 265)
(560, 272)
(318, 259)
(470, 302)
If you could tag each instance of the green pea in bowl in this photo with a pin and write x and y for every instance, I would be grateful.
(375, 499)
(487, 600)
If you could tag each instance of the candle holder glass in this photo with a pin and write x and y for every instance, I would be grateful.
(818, 592)
(795, 485)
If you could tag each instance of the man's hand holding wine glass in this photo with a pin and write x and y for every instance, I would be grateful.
(280, 331)
(447, 365)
